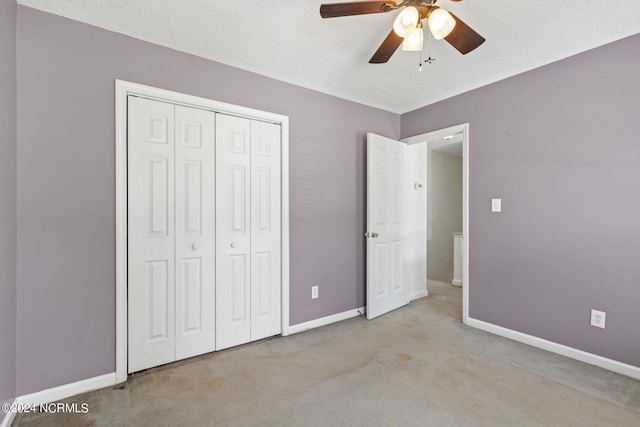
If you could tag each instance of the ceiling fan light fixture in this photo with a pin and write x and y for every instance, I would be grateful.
(413, 42)
(441, 23)
(406, 21)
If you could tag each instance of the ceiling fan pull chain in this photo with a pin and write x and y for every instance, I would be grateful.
(430, 59)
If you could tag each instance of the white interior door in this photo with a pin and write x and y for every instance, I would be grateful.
(386, 289)
(266, 255)
(195, 231)
(248, 227)
(233, 228)
(171, 208)
(151, 234)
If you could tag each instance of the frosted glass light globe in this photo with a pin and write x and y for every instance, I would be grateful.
(413, 42)
(441, 23)
(406, 21)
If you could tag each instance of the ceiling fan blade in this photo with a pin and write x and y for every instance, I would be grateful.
(332, 10)
(463, 37)
(386, 49)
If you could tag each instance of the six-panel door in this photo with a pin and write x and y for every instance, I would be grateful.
(265, 230)
(195, 231)
(151, 224)
(248, 254)
(233, 227)
(171, 232)
(386, 289)
(180, 303)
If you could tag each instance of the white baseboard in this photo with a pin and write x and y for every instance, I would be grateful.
(418, 295)
(67, 390)
(8, 419)
(573, 353)
(312, 324)
(456, 282)
(59, 393)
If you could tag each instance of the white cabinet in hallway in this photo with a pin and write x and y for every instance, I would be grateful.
(457, 259)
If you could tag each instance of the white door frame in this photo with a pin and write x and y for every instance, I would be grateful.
(441, 133)
(123, 90)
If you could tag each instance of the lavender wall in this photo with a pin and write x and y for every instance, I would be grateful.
(560, 146)
(7, 200)
(444, 214)
(66, 289)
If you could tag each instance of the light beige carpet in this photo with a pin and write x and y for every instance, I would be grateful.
(416, 366)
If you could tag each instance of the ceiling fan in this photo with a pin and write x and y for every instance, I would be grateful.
(407, 27)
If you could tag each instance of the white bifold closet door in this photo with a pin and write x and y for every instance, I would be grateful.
(248, 227)
(171, 232)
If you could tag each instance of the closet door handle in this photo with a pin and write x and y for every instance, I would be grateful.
(195, 247)
(233, 245)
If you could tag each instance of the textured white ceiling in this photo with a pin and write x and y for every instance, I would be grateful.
(287, 40)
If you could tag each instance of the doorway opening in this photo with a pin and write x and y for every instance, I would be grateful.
(438, 202)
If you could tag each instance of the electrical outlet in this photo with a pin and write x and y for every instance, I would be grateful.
(598, 318)
(314, 292)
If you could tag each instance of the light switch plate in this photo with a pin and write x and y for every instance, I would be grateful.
(496, 205)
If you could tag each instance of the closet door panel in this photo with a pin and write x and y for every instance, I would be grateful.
(151, 233)
(233, 229)
(195, 231)
(265, 230)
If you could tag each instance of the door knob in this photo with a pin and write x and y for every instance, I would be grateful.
(367, 234)
(195, 247)
(233, 245)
